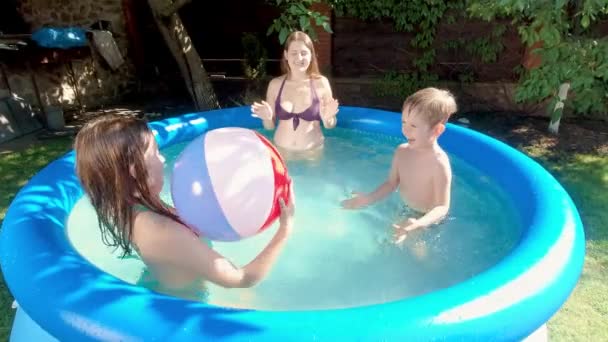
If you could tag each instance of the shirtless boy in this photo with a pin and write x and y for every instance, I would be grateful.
(420, 168)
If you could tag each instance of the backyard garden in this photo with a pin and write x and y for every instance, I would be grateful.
(552, 57)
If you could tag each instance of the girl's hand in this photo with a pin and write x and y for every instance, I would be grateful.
(329, 108)
(287, 212)
(262, 110)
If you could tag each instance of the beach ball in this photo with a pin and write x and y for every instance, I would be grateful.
(226, 184)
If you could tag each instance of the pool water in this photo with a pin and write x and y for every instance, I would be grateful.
(339, 258)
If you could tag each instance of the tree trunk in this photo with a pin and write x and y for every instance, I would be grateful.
(556, 115)
(188, 60)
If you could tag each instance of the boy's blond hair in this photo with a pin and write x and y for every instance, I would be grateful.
(435, 105)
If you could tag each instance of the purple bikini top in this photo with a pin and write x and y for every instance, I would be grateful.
(309, 114)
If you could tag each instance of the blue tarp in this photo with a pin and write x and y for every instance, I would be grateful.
(60, 37)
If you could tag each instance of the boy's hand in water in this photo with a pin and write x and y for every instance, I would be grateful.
(402, 228)
(262, 110)
(359, 200)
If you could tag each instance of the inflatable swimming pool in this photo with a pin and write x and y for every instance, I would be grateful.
(62, 296)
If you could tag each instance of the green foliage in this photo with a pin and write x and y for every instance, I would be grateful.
(570, 51)
(487, 48)
(583, 63)
(416, 16)
(297, 16)
(421, 18)
(254, 65)
(397, 84)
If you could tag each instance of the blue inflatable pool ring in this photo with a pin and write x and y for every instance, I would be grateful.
(64, 297)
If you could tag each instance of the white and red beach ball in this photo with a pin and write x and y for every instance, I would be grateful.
(226, 184)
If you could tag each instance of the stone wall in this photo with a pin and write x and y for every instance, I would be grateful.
(72, 78)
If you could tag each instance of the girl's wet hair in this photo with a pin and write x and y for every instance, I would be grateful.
(313, 68)
(111, 166)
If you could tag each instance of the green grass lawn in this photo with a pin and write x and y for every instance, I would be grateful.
(584, 317)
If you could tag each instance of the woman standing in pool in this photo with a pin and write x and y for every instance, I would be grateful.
(301, 99)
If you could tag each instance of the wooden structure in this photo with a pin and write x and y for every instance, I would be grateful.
(179, 43)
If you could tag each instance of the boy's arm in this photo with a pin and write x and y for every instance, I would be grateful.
(388, 186)
(362, 200)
